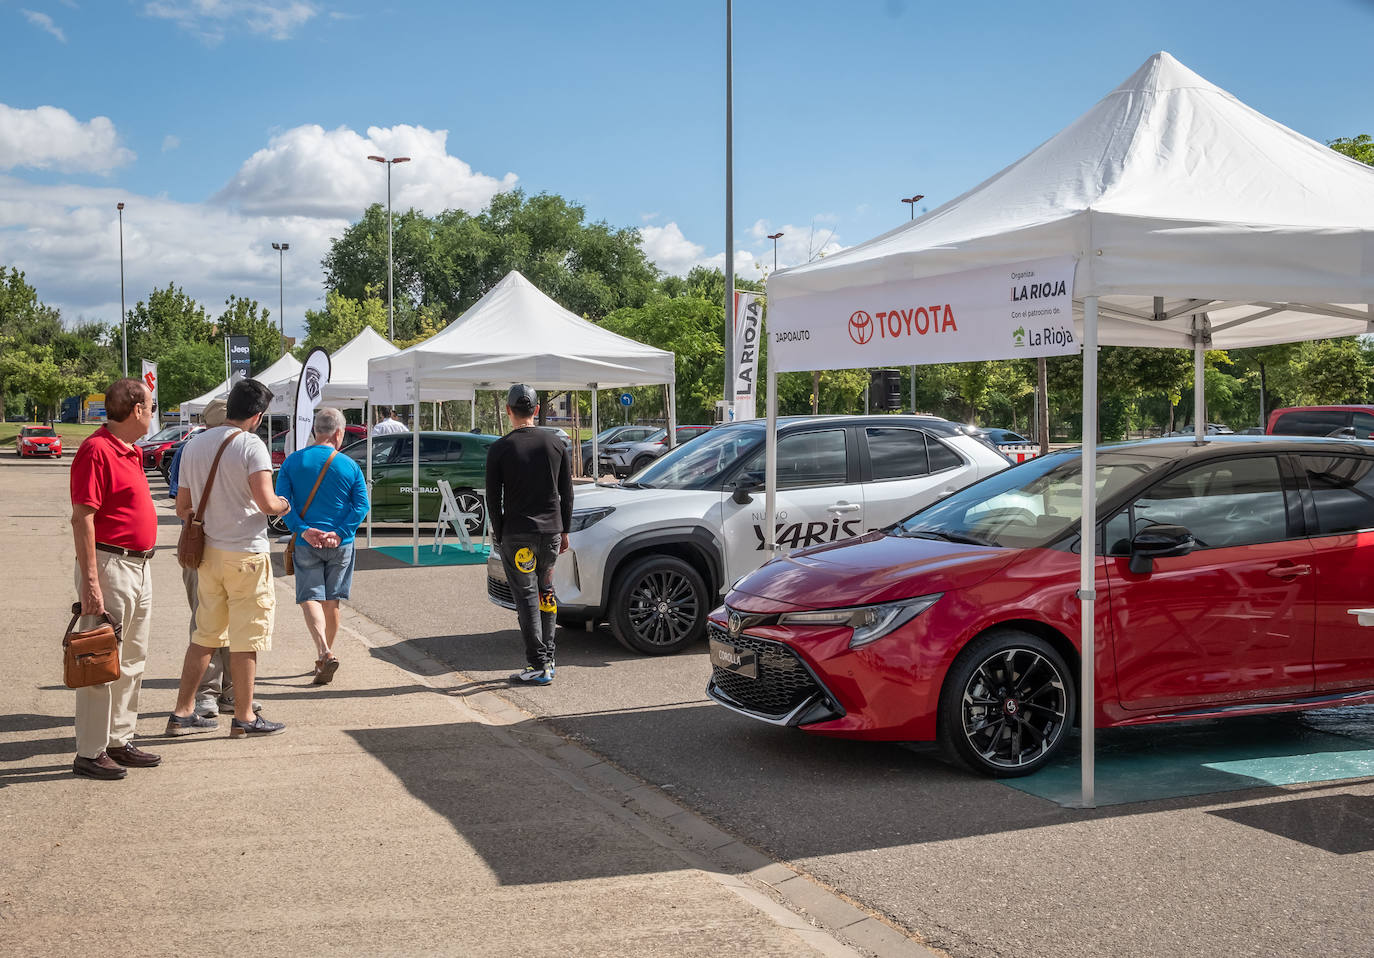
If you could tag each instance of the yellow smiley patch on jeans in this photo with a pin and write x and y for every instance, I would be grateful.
(524, 560)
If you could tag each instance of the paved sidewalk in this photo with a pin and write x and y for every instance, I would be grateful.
(393, 817)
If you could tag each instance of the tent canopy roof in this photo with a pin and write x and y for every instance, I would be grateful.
(347, 384)
(284, 368)
(1169, 186)
(515, 333)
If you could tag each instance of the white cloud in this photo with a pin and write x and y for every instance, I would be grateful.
(66, 238)
(669, 250)
(310, 171)
(212, 20)
(44, 22)
(170, 142)
(51, 138)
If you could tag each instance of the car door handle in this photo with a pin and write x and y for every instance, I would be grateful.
(840, 507)
(1289, 571)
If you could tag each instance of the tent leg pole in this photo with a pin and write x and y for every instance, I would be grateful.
(1199, 386)
(415, 485)
(367, 424)
(1087, 582)
(596, 461)
(672, 414)
(770, 467)
(473, 407)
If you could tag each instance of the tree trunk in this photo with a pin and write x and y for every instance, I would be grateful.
(815, 392)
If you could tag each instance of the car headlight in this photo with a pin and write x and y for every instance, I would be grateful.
(586, 518)
(869, 622)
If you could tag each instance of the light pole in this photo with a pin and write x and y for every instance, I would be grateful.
(390, 311)
(912, 201)
(774, 238)
(281, 249)
(123, 319)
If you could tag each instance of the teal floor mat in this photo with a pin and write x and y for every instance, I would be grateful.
(1154, 762)
(449, 555)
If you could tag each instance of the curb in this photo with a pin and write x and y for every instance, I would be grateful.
(823, 918)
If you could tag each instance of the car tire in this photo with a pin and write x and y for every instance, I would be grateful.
(659, 606)
(1007, 703)
(471, 502)
(639, 464)
(276, 526)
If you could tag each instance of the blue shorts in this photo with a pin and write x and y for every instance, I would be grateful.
(323, 574)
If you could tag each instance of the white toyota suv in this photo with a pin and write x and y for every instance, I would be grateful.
(654, 554)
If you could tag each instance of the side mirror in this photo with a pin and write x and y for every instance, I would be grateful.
(1158, 542)
(744, 487)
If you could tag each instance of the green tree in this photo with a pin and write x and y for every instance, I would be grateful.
(244, 317)
(166, 319)
(340, 320)
(23, 318)
(1357, 148)
(33, 369)
(690, 328)
(187, 370)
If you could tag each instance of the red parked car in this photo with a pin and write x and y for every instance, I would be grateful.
(1226, 574)
(278, 447)
(155, 446)
(38, 441)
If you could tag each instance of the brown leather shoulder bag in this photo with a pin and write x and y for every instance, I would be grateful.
(191, 542)
(90, 657)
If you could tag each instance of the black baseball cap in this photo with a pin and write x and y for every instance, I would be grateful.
(522, 398)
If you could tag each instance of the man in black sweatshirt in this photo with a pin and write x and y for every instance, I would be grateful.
(529, 502)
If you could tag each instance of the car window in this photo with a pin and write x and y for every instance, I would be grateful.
(1235, 502)
(896, 453)
(941, 456)
(806, 459)
(440, 449)
(1364, 425)
(1342, 491)
(700, 464)
(635, 435)
(1311, 422)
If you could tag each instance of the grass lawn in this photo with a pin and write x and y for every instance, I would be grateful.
(72, 433)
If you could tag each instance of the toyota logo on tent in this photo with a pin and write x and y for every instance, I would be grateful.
(860, 327)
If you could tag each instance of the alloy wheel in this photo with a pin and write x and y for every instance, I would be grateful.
(1014, 708)
(663, 608)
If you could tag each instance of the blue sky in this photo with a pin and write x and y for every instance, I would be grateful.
(228, 124)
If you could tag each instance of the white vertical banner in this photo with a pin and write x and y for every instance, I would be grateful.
(309, 387)
(748, 330)
(150, 380)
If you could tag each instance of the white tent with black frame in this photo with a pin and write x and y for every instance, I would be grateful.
(1177, 216)
(515, 334)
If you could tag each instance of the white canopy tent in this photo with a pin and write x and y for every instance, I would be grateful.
(515, 334)
(347, 386)
(1195, 222)
(286, 367)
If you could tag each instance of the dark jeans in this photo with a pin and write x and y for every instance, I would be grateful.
(528, 561)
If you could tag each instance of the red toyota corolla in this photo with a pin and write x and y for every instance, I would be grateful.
(1227, 574)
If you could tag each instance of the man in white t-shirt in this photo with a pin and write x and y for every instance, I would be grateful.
(390, 422)
(234, 580)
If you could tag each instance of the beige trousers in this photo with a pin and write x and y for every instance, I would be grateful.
(106, 714)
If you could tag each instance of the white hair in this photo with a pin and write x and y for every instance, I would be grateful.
(327, 422)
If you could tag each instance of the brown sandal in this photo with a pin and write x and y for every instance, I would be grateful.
(324, 670)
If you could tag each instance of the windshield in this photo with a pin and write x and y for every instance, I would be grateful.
(166, 435)
(1021, 508)
(702, 463)
(38, 431)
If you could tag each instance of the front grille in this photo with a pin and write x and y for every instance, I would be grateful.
(499, 592)
(783, 682)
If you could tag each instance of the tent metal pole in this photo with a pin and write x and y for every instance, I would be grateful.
(770, 466)
(1199, 385)
(672, 414)
(473, 407)
(1087, 582)
(596, 461)
(367, 424)
(415, 485)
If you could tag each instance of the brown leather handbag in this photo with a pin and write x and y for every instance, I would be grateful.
(90, 657)
(288, 559)
(191, 542)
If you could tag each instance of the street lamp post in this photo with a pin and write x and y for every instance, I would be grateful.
(774, 238)
(390, 310)
(281, 249)
(912, 201)
(123, 318)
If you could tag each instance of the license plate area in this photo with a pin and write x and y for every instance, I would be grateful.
(733, 659)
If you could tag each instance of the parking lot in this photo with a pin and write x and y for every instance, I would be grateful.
(968, 865)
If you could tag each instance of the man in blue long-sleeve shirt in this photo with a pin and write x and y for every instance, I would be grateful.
(323, 530)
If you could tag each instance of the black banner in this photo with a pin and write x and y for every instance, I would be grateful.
(238, 359)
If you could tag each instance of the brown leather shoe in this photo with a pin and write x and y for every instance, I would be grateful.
(102, 766)
(131, 756)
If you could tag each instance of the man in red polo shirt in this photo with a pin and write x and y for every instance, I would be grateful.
(115, 527)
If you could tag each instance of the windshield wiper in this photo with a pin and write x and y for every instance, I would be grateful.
(627, 484)
(947, 536)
